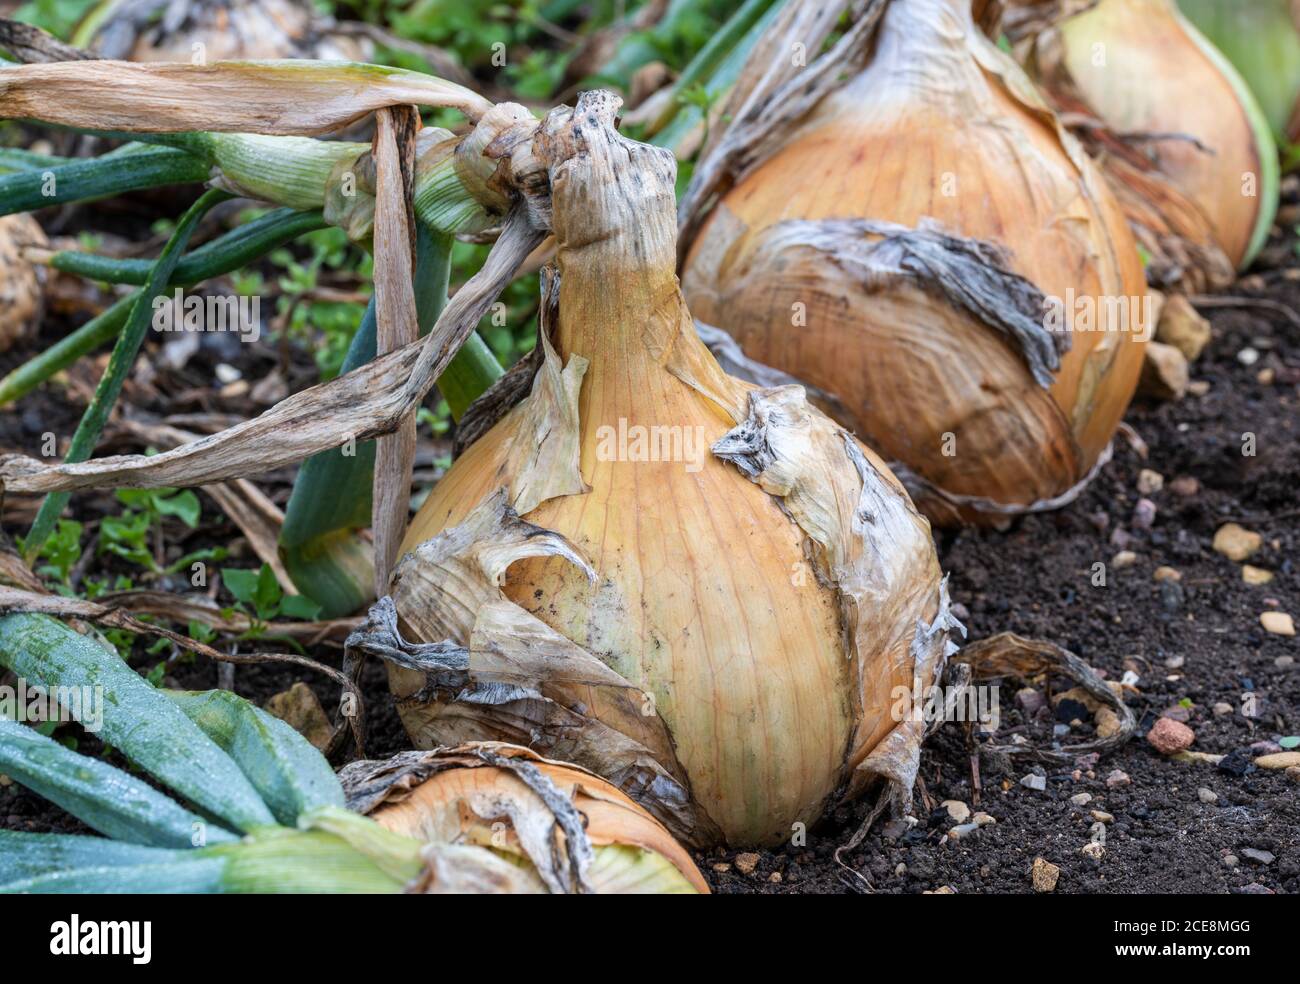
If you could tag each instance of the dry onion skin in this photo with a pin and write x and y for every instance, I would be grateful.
(1147, 73)
(498, 818)
(900, 247)
(718, 628)
(22, 290)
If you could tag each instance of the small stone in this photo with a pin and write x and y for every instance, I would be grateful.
(226, 373)
(1030, 701)
(1168, 736)
(1144, 514)
(1278, 623)
(1150, 481)
(1293, 773)
(299, 708)
(1231, 860)
(1266, 376)
(746, 863)
(1044, 875)
(1248, 356)
(1235, 542)
(1279, 760)
(1207, 795)
(957, 810)
(1221, 708)
(1081, 799)
(1257, 856)
(775, 878)
(1117, 778)
(1184, 486)
(1284, 662)
(1264, 748)
(963, 830)
(942, 890)
(722, 867)
(1094, 850)
(900, 869)
(1179, 712)
(1255, 575)
(1125, 558)
(1032, 781)
(1183, 327)
(983, 819)
(1165, 374)
(5, 780)
(1167, 574)
(1198, 387)
(1101, 816)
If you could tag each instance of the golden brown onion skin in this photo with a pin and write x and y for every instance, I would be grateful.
(704, 597)
(22, 284)
(927, 131)
(1139, 69)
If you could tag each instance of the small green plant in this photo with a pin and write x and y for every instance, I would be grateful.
(128, 536)
(61, 552)
(260, 593)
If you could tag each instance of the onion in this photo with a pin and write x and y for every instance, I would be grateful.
(1262, 40)
(490, 816)
(904, 241)
(704, 591)
(1147, 73)
(22, 291)
(216, 30)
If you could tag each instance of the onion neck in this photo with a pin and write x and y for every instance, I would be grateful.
(922, 57)
(615, 223)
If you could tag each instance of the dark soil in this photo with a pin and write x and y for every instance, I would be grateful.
(1197, 641)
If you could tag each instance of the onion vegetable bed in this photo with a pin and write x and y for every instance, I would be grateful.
(666, 465)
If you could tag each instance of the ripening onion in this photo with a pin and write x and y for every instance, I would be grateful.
(213, 30)
(486, 829)
(1147, 73)
(906, 248)
(703, 591)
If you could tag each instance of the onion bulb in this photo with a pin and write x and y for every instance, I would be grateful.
(214, 30)
(924, 242)
(22, 289)
(1262, 40)
(703, 591)
(1151, 77)
(500, 818)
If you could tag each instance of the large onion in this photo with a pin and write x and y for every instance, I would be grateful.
(1147, 73)
(892, 244)
(717, 632)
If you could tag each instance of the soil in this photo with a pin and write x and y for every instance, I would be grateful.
(1193, 643)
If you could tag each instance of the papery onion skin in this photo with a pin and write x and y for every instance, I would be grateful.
(706, 595)
(633, 852)
(1143, 68)
(937, 127)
